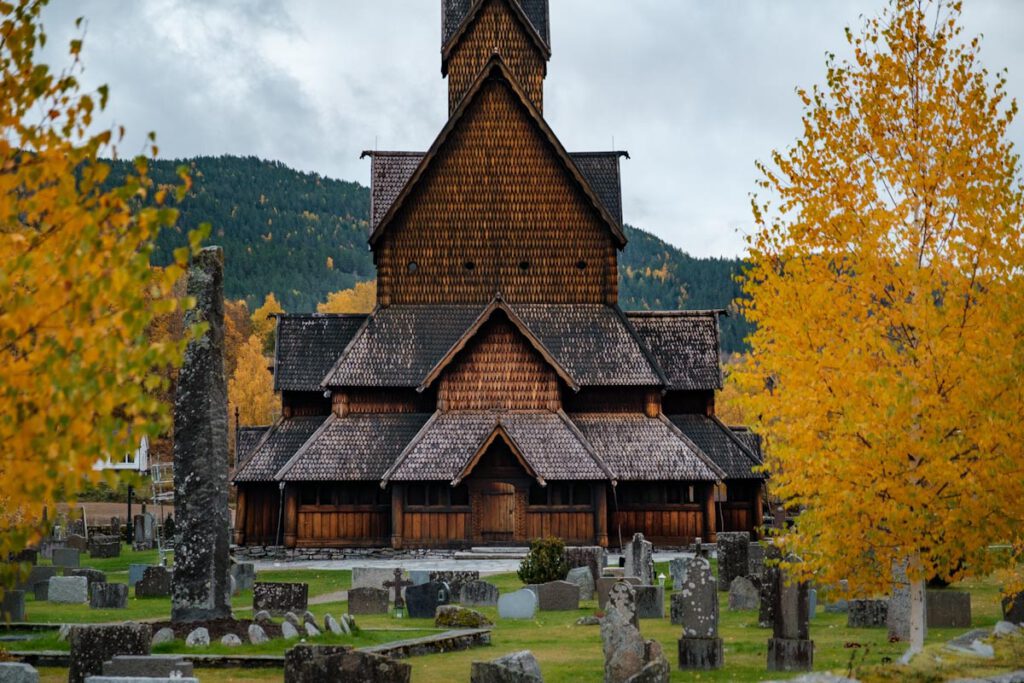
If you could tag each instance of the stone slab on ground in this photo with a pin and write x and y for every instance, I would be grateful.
(456, 616)
(520, 604)
(69, 590)
(449, 641)
(156, 666)
(279, 598)
(366, 600)
(333, 664)
(91, 646)
(15, 672)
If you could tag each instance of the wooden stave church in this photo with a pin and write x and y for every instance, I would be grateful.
(497, 392)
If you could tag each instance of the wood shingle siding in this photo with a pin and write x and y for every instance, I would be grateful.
(684, 344)
(720, 444)
(308, 345)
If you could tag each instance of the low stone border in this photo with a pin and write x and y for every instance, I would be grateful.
(276, 552)
(448, 641)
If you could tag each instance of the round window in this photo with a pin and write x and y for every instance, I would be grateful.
(524, 265)
(469, 265)
(581, 264)
(413, 267)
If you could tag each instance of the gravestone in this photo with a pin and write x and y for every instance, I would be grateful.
(695, 608)
(69, 590)
(627, 656)
(948, 608)
(38, 575)
(374, 577)
(1013, 608)
(91, 646)
(148, 666)
(605, 583)
(77, 527)
(422, 601)
(769, 585)
(867, 613)
(12, 608)
(200, 587)
(650, 602)
(584, 580)
(257, 636)
(108, 596)
(77, 542)
(399, 584)
(812, 602)
(115, 526)
(41, 591)
(419, 576)
(679, 568)
(163, 636)
(279, 598)
(733, 557)
(365, 600)
(135, 572)
(334, 664)
(639, 555)
(93, 576)
(66, 557)
(555, 596)
(520, 604)
(16, 672)
(755, 559)
(155, 583)
(790, 648)
(898, 618)
(744, 595)
(517, 667)
(104, 546)
(479, 594)
(455, 579)
(244, 575)
(593, 556)
(144, 536)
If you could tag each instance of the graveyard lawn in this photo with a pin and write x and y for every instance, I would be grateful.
(573, 653)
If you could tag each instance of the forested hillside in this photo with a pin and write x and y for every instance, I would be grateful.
(303, 236)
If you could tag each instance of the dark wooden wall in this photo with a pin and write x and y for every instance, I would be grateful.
(496, 29)
(261, 513)
(299, 403)
(325, 527)
(497, 211)
(498, 369)
(383, 401)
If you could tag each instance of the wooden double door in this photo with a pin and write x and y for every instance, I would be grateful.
(497, 505)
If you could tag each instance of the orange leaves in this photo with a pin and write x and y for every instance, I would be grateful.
(359, 299)
(251, 388)
(885, 283)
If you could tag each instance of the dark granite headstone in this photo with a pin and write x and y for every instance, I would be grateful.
(38, 575)
(479, 594)
(650, 602)
(77, 542)
(769, 585)
(733, 557)
(108, 596)
(66, 557)
(946, 608)
(455, 579)
(41, 591)
(93, 645)
(104, 546)
(280, 598)
(155, 583)
(92, 575)
(1013, 608)
(556, 596)
(367, 601)
(200, 586)
(422, 601)
(866, 613)
(12, 608)
(340, 664)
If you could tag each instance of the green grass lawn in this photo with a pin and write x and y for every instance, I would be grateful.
(568, 652)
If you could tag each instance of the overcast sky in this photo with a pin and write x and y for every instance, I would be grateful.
(695, 90)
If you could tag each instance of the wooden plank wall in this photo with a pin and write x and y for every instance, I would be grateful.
(571, 526)
(324, 527)
(677, 525)
(735, 516)
(436, 529)
(261, 513)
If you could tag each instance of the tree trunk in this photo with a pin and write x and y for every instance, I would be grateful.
(918, 620)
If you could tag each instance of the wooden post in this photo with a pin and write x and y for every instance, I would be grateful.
(710, 532)
(601, 514)
(397, 507)
(291, 515)
(758, 509)
(652, 403)
(240, 517)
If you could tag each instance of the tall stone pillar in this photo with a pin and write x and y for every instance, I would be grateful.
(200, 587)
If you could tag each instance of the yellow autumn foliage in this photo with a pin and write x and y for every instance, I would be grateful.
(359, 299)
(886, 281)
(79, 379)
(251, 387)
(264, 323)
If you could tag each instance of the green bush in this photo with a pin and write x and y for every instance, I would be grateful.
(545, 561)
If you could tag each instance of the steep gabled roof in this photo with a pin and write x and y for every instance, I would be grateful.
(308, 345)
(357, 447)
(247, 440)
(277, 446)
(721, 444)
(459, 15)
(641, 448)
(684, 344)
(391, 170)
(496, 69)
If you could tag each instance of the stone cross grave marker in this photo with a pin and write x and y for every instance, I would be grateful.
(398, 583)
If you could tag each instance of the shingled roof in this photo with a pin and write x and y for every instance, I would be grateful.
(307, 347)
(727, 448)
(454, 12)
(548, 442)
(641, 448)
(401, 344)
(247, 440)
(276, 447)
(390, 171)
(684, 344)
(357, 447)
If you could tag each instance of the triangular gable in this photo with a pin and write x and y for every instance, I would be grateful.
(499, 432)
(497, 305)
(496, 66)
(517, 11)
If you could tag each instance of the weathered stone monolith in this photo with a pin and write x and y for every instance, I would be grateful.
(695, 607)
(627, 656)
(791, 648)
(200, 587)
(640, 559)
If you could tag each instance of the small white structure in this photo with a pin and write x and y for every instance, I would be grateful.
(137, 461)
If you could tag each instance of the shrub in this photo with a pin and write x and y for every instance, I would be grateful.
(545, 561)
